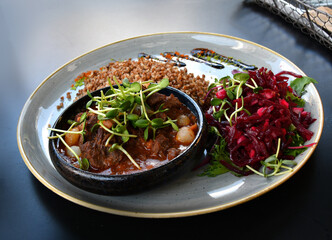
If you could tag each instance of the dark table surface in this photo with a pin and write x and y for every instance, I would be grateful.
(39, 36)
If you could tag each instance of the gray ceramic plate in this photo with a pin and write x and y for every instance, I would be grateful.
(187, 195)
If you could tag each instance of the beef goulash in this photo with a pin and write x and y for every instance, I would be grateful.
(128, 129)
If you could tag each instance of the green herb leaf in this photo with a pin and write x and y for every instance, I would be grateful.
(163, 83)
(135, 87)
(131, 99)
(292, 127)
(125, 138)
(214, 169)
(223, 80)
(94, 127)
(146, 133)
(212, 85)
(113, 147)
(142, 123)
(100, 117)
(230, 94)
(161, 109)
(218, 114)
(71, 122)
(89, 94)
(157, 122)
(89, 103)
(109, 92)
(137, 100)
(125, 82)
(238, 90)
(84, 164)
(299, 101)
(243, 77)
(83, 117)
(289, 162)
(112, 113)
(271, 159)
(132, 117)
(299, 84)
(297, 140)
(174, 126)
(214, 130)
(216, 101)
(220, 153)
(119, 129)
(125, 105)
(152, 85)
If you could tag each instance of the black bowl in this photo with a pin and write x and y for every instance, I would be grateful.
(135, 182)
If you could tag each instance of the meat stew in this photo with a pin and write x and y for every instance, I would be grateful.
(148, 147)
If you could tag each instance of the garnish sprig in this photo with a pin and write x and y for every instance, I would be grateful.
(277, 166)
(121, 106)
(83, 163)
(232, 89)
(73, 124)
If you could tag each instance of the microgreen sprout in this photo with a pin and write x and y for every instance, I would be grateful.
(114, 132)
(119, 147)
(234, 88)
(73, 124)
(275, 165)
(84, 163)
(122, 105)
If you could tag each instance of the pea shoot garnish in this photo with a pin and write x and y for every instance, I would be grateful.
(120, 109)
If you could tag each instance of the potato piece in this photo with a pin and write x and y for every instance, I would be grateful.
(72, 138)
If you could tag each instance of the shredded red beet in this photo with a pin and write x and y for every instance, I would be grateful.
(304, 146)
(253, 137)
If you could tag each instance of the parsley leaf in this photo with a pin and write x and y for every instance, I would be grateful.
(299, 101)
(299, 84)
(297, 140)
(215, 168)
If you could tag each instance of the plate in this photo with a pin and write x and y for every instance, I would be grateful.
(185, 196)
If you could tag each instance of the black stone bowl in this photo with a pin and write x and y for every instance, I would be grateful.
(135, 182)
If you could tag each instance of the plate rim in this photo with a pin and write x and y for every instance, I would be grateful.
(176, 213)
